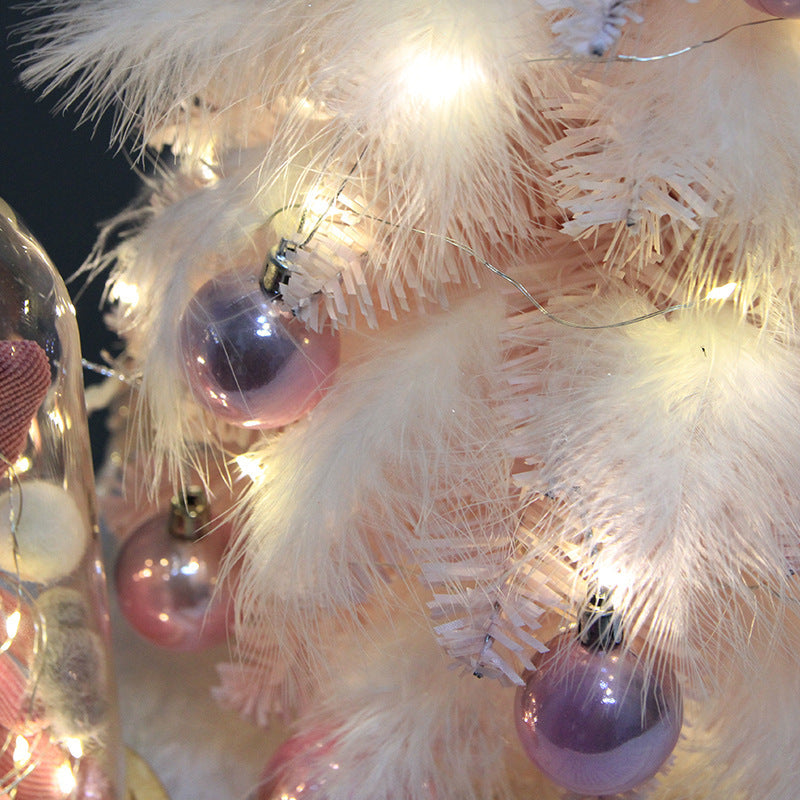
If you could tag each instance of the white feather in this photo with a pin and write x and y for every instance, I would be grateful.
(672, 445)
(399, 465)
(178, 52)
(647, 163)
(397, 735)
(741, 740)
(419, 105)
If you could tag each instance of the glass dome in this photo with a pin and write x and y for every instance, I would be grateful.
(59, 730)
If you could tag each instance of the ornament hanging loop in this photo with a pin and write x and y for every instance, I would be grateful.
(278, 268)
(598, 625)
(189, 514)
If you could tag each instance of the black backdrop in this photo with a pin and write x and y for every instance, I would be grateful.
(62, 179)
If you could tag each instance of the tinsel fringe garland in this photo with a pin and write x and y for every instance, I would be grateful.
(488, 456)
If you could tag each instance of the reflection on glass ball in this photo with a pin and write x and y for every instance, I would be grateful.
(593, 721)
(777, 8)
(248, 359)
(303, 767)
(299, 769)
(167, 587)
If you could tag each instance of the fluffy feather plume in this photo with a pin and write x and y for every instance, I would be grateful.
(668, 450)
(186, 60)
(729, 751)
(401, 736)
(399, 466)
(644, 162)
(346, 92)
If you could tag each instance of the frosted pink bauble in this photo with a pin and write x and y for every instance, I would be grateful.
(299, 768)
(248, 359)
(167, 586)
(593, 722)
(303, 766)
(777, 8)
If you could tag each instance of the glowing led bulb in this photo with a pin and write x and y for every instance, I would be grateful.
(74, 746)
(435, 78)
(250, 466)
(722, 292)
(65, 779)
(22, 752)
(12, 623)
(124, 292)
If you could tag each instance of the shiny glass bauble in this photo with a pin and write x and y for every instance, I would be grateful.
(167, 586)
(777, 8)
(598, 722)
(248, 359)
(305, 766)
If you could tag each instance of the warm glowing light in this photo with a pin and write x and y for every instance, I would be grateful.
(207, 172)
(74, 747)
(65, 779)
(57, 419)
(317, 206)
(207, 162)
(249, 466)
(612, 577)
(22, 752)
(436, 78)
(722, 292)
(12, 623)
(191, 568)
(124, 292)
(64, 308)
(22, 465)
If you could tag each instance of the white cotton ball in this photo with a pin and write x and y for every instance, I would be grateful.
(52, 533)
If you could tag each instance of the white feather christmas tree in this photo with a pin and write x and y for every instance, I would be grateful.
(557, 242)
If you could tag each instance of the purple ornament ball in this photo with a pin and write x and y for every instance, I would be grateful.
(167, 587)
(596, 722)
(777, 8)
(248, 359)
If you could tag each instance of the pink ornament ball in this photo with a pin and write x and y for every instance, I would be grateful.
(777, 8)
(596, 722)
(300, 768)
(248, 359)
(167, 587)
(304, 766)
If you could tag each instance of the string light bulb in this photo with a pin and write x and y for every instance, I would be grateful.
(249, 466)
(435, 78)
(65, 778)
(22, 752)
(12, 623)
(722, 292)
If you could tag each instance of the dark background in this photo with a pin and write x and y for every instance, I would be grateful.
(63, 179)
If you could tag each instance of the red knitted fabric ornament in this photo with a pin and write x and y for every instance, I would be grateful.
(24, 381)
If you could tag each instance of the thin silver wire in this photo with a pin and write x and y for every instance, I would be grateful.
(539, 307)
(660, 57)
(112, 373)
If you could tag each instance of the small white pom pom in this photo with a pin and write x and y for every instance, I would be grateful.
(52, 533)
